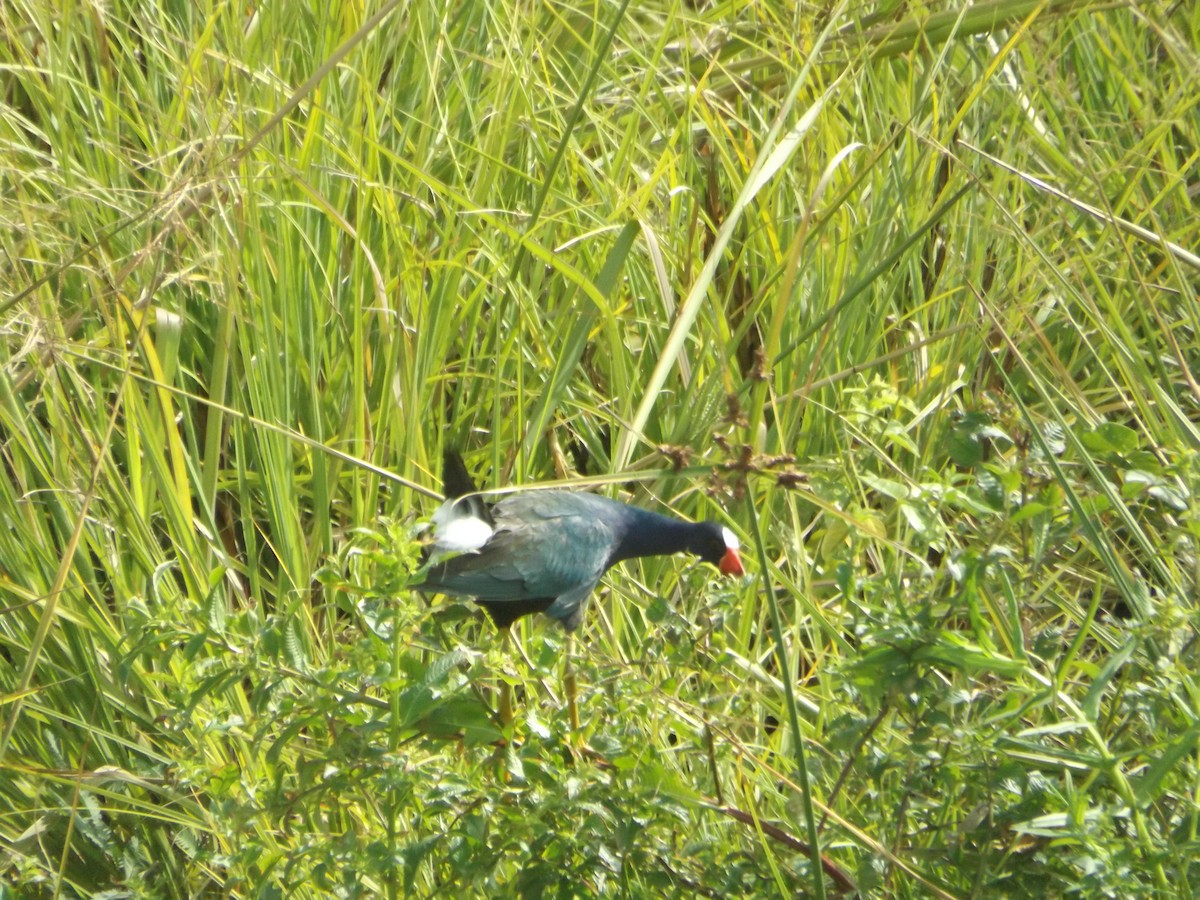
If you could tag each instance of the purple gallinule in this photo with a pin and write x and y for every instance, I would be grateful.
(545, 551)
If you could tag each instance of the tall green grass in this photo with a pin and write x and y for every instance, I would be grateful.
(905, 293)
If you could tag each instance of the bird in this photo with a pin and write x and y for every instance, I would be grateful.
(545, 551)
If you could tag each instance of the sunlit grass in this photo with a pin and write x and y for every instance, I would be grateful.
(911, 287)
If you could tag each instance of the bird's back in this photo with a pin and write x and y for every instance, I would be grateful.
(545, 544)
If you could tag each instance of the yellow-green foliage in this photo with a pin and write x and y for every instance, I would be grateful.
(905, 292)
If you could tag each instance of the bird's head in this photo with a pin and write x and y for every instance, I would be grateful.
(719, 546)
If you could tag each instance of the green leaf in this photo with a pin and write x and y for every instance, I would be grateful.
(1148, 786)
(1091, 700)
(1054, 439)
(1030, 510)
(1110, 438)
(954, 651)
(294, 644)
(964, 444)
(992, 489)
(215, 609)
(461, 717)
(920, 519)
(1171, 496)
(887, 487)
(658, 609)
(442, 667)
(414, 854)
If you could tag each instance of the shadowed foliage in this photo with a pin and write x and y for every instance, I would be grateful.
(909, 290)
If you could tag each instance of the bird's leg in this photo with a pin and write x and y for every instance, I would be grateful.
(569, 682)
(505, 712)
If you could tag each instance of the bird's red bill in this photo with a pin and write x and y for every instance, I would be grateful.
(731, 563)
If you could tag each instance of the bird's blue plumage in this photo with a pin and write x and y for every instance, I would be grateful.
(545, 551)
(547, 545)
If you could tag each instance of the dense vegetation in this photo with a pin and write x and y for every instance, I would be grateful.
(905, 292)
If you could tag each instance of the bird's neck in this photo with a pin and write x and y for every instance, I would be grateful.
(649, 534)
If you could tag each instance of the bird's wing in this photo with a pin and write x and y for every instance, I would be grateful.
(545, 545)
(569, 607)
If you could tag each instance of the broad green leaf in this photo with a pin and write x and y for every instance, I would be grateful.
(1110, 438)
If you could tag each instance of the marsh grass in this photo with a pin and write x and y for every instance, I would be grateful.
(905, 293)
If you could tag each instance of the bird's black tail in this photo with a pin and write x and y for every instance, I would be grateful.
(456, 480)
